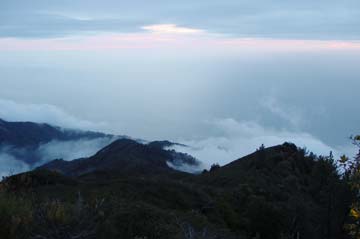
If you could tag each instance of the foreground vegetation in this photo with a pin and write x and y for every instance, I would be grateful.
(279, 192)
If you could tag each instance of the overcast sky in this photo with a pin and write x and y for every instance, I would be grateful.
(224, 76)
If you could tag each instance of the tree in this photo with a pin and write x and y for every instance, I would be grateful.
(351, 168)
(214, 167)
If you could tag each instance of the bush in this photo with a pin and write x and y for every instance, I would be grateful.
(16, 217)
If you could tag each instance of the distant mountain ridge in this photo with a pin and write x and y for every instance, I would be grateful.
(30, 135)
(31, 143)
(27, 143)
(125, 156)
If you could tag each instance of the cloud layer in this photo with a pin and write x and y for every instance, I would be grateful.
(13, 159)
(227, 139)
(237, 139)
(73, 149)
(9, 165)
(44, 113)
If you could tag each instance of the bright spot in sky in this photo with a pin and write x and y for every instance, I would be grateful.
(171, 28)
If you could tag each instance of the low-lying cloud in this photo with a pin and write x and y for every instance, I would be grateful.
(73, 149)
(44, 113)
(239, 138)
(9, 165)
(14, 160)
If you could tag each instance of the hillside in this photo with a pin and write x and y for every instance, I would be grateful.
(124, 156)
(278, 192)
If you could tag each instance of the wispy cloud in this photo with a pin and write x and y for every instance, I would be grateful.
(44, 113)
(14, 160)
(323, 19)
(291, 115)
(72, 149)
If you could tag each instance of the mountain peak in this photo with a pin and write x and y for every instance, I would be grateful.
(124, 156)
(119, 145)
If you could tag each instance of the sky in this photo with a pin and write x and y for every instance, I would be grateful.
(222, 76)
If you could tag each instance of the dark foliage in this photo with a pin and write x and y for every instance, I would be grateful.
(278, 192)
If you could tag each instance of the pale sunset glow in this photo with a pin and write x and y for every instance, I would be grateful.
(168, 36)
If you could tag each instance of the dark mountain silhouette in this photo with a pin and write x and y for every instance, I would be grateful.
(124, 156)
(23, 141)
(131, 189)
(31, 135)
(127, 191)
